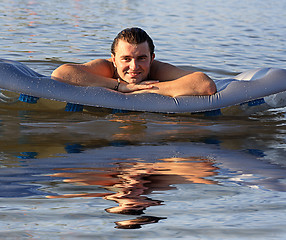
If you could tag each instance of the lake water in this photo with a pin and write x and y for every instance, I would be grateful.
(143, 175)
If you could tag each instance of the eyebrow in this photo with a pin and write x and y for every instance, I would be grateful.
(128, 56)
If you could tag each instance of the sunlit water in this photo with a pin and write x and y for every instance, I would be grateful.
(143, 175)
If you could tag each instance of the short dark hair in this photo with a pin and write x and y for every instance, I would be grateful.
(133, 36)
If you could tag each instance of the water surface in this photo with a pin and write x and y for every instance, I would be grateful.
(143, 175)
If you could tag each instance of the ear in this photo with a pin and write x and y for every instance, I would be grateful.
(113, 59)
(152, 57)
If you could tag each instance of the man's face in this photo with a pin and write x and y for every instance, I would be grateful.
(132, 61)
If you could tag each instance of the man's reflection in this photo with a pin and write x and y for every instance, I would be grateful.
(131, 181)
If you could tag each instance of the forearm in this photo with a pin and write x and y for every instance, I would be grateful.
(193, 84)
(76, 75)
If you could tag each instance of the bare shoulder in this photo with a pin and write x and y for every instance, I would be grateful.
(165, 72)
(103, 67)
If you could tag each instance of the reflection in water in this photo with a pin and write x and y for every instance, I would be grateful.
(136, 223)
(132, 181)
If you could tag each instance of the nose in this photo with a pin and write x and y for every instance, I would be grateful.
(133, 64)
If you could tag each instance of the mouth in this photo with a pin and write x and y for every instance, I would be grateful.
(134, 74)
(134, 77)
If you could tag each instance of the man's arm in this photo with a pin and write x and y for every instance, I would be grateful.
(173, 81)
(97, 73)
(179, 82)
(94, 73)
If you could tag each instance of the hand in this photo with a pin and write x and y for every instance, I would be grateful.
(132, 87)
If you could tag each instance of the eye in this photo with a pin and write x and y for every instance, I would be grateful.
(126, 59)
(142, 58)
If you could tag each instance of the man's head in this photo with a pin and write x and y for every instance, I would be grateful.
(132, 53)
(133, 36)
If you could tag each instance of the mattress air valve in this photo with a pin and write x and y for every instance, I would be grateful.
(72, 107)
(28, 99)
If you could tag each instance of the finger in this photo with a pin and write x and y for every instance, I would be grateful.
(148, 82)
(145, 86)
(136, 87)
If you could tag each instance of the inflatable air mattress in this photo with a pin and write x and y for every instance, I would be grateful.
(247, 93)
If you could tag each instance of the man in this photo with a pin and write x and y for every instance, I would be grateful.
(132, 69)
